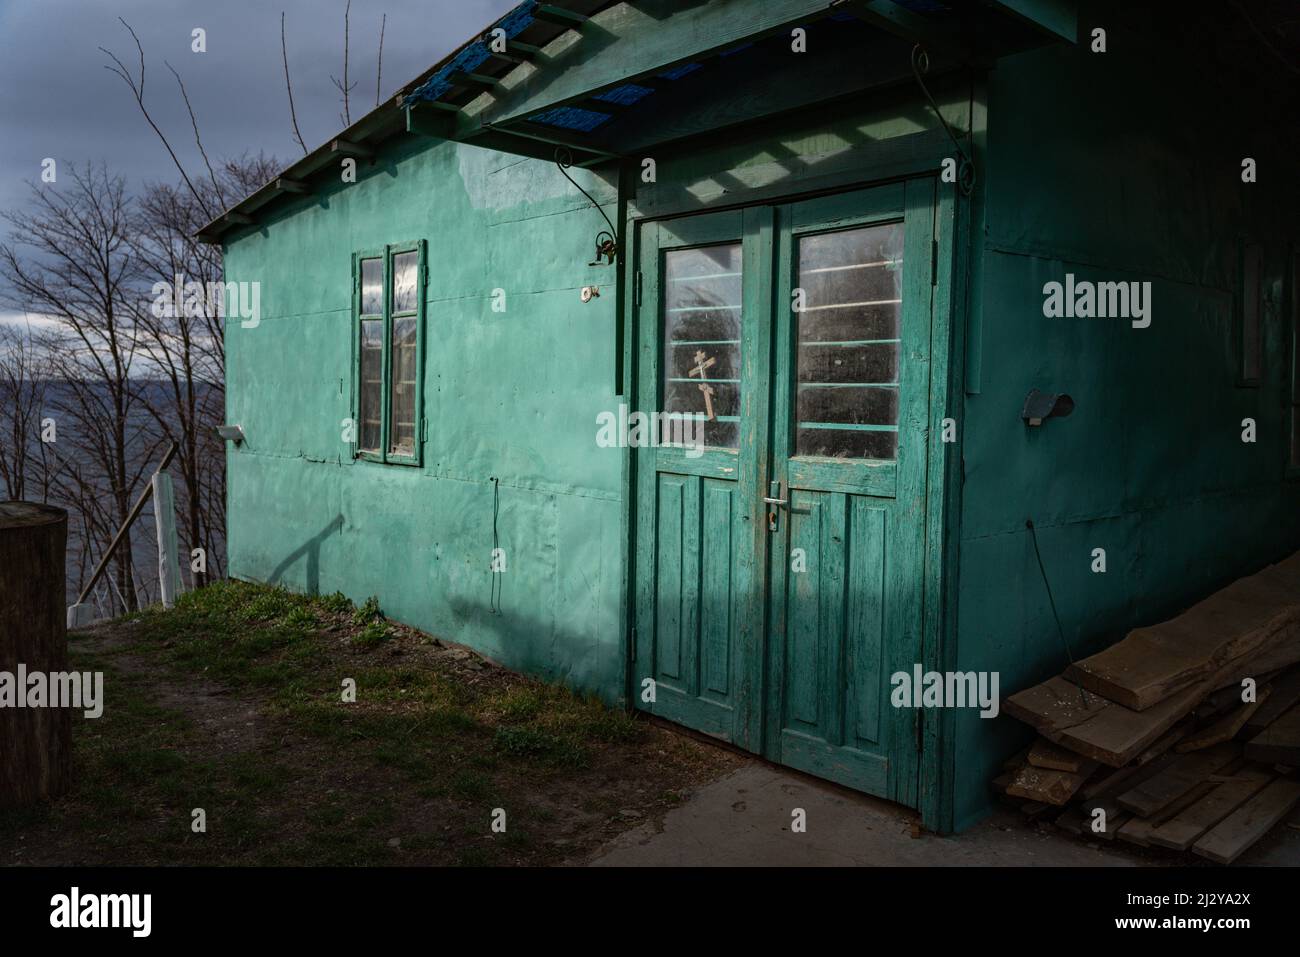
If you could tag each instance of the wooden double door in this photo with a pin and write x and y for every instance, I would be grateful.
(781, 493)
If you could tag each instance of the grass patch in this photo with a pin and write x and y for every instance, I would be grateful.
(234, 702)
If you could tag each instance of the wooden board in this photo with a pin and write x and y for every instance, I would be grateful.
(1184, 802)
(1111, 781)
(1054, 705)
(1119, 780)
(1115, 816)
(1047, 785)
(1224, 729)
(1151, 664)
(1232, 836)
(1286, 693)
(1184, 773)
(1113, 734)
(1114, 825)
(1016, 761)
(1181, 831)
(1279, 743)
(1136, 830)
(1071, 820)
(1044, 754)
(1036, 809)
(1116, 734)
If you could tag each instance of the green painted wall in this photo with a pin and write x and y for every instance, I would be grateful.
(510, 395)
(1077, 172)
(1115, 166)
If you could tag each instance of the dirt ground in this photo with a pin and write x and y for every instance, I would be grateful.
(229, 704)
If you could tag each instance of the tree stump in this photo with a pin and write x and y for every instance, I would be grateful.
(35, 743)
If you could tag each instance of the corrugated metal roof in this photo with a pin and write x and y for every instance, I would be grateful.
(587, 121)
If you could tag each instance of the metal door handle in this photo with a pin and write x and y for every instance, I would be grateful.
(775, 497)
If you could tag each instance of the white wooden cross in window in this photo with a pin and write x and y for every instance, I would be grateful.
(701, 365)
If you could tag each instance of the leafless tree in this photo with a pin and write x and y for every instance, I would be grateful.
(24, 380)
(185, 347)
(71, 261)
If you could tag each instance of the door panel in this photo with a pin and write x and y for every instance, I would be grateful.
(779, 569)
(849, 454)
(699, 612)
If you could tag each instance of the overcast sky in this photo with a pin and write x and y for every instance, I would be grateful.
(57, 100)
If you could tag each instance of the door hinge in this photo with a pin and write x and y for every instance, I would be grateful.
(634, 642)
(636, 289)
(934, 262)
(920, 729)
(424, 430)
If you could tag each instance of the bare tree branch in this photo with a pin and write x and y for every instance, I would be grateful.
(379, 72)
(137, 90)
(289, 86)
(344, 87)
(198, 140)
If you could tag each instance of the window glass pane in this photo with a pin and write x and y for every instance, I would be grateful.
(372, 287)
(401, 430)
(848, 354)
(372, 383)
(700, 378)
(404, 276)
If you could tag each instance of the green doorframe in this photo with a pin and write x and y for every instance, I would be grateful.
(943, 496)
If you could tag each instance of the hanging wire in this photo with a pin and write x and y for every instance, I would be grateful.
(1033, 534)
(966, 170)
(609, 247)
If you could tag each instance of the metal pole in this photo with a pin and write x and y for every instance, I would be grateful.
(164, 510)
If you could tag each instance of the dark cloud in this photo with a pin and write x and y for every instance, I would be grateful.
(57, 100)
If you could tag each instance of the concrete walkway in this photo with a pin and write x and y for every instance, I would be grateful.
(744, 819)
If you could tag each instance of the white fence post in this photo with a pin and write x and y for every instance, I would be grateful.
(164, 513)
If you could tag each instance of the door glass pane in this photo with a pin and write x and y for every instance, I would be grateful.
(401, 432)
(848, 353)
(701, 361)
(372, 383)
(372, 287)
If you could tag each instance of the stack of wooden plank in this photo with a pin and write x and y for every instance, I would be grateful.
(1183, 735)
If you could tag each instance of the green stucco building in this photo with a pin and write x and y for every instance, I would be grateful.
(821, 237)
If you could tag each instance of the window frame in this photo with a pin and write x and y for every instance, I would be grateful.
(1246, 248)
(1293, 376)
(386, 254)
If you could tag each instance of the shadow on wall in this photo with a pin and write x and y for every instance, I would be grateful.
(579, 661)
(310, 549)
